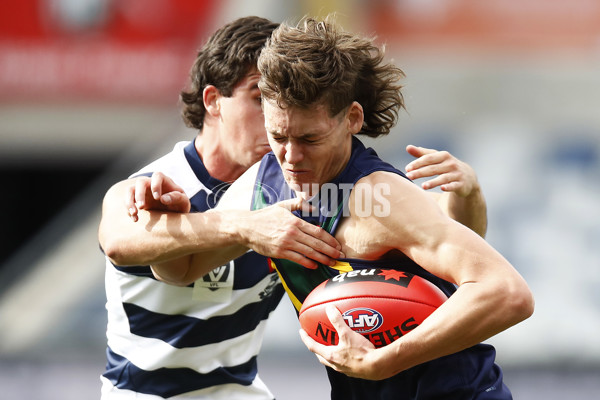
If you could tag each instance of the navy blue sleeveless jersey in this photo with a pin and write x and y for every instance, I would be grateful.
(469, 374)
(196, 342)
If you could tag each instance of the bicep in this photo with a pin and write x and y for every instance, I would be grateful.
(418, 228)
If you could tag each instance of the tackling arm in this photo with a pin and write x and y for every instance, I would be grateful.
(462, 198)
(182, 247)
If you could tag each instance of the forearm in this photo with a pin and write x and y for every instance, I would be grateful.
(185, 270)
(159, 236)
(471, 211)
(447, 331)
(486, 303)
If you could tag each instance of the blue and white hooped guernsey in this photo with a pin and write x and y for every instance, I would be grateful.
(195, 342)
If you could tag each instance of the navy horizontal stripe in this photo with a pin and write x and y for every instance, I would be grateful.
(167, 382)
(250, 269)
(137, 270)
(182, 331)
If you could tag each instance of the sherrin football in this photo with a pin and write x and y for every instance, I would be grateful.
(381, 304)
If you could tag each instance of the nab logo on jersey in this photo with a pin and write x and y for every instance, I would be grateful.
(363, 320)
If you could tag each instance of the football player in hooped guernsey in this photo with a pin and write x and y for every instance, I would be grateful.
(321, 87)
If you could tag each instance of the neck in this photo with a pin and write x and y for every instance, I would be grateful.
(215, 161)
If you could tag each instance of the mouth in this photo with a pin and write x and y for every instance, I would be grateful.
(296, 172)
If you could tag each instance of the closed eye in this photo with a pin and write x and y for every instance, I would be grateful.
(278, 139)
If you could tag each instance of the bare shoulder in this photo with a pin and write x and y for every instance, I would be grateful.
(387, 212)
(379, 194)
(239, 194)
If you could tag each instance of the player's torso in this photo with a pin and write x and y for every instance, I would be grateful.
(157, 331)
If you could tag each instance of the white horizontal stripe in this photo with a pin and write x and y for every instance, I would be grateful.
(150, 353)
(169, 299)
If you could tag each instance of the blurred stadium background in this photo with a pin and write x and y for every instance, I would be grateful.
(89, 93)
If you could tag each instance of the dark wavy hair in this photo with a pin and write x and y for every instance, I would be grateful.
(226, 58)
(316, 61)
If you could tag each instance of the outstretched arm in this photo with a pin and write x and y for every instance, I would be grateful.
(167, 240)
(462, 198)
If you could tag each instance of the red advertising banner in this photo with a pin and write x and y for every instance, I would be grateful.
(529, 26)
(131, 50)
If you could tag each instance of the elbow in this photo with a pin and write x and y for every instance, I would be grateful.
(112, 244)
(527, 306)
(115, 251)
(520, 302)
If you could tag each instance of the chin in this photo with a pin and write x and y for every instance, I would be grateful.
(302, 187)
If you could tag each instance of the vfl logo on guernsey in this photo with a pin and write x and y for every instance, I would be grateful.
(363, 320)
(218, 277)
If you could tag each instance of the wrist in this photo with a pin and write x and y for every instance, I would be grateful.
(234, 227)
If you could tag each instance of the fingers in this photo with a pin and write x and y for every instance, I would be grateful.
(426, 171)
(308, 251)
(443, 180)
(323, 249)
(297, 204)
(300, 258)
(130, 203)
(142, 185)
(307, 240)
(319, 239)
(426, 158)
(176, 201)
(417, 151)
(156, 185)
(336, 319)
(446, 169)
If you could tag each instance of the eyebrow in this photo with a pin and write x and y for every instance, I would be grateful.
(304, 136)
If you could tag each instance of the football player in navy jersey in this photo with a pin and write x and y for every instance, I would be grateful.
(341, 87)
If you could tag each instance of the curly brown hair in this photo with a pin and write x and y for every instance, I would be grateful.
(317, 61)
(224, 60)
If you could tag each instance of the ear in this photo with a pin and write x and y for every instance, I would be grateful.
(355, 118)
(210, 97)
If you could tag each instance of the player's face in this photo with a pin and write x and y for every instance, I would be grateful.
(311, 147)
(242, 122)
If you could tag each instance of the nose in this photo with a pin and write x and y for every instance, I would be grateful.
(293, 152)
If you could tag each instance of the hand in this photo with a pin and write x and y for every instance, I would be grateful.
(354, 355)
(157, 193)
(451, 174)
(275, 232)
